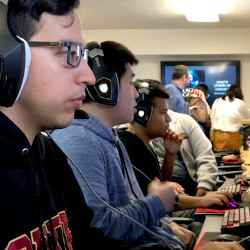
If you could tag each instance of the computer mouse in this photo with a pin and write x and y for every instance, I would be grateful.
(232, 204)
(226, 237)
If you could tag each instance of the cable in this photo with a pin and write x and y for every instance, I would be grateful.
(113, 208)
(244, 239)
(104, 202)
(176, 203)
(183, 210)
(137, 169)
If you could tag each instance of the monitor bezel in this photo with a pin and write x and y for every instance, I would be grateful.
(202, 63)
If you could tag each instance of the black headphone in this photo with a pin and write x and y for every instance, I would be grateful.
(144, 105)
(106, 88)
(13, 68)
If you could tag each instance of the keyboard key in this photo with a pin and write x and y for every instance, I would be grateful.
(236, 222)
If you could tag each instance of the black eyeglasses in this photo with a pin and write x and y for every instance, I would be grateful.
(75, 50)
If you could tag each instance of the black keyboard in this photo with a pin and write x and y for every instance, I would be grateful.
(236, 222)
(238, 177)
(236, 191)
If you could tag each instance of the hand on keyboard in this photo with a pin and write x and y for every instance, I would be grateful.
(220, 198)
(230, 205)
(235, 190)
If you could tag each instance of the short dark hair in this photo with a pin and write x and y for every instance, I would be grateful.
(204, 88)
(116, 56)
(234, 91)
(179, 71)
(23, 16)
(155, 88)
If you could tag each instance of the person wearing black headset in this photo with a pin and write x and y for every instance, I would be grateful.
(152, 121)
(42, 206)
(101, 164)
(97, 153)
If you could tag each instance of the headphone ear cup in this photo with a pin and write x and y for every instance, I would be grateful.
(144, 110)
(102, 92)
(13, 62)
(106, 88)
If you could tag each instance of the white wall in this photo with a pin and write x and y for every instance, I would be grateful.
(153, 46)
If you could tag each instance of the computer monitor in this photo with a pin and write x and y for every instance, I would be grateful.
(217, 75)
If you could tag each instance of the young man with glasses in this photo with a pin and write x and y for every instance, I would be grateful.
(42, 206)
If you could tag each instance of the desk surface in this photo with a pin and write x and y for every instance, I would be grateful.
(228, 182)
(245, 155)
(212, 223)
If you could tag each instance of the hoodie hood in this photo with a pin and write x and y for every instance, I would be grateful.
(97, 127)
(14, 141)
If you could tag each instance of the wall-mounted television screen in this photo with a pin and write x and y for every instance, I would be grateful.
(217, 75)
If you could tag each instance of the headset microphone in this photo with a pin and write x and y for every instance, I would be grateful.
(106, 88)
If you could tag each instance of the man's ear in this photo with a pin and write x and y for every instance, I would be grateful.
(183, 78)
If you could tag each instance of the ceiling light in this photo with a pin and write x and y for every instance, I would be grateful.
(201, 16)
(202, 10)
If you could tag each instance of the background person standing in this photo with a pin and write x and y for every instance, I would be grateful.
(226, 116)
(180, 80)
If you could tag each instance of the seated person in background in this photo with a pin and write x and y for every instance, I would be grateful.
(195, 167)
(207, 125)
(204, 88)
(153, 123)
(197, 104)
(226, 116)
(97, 152)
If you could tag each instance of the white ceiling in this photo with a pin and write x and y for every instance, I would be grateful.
(154, 14)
